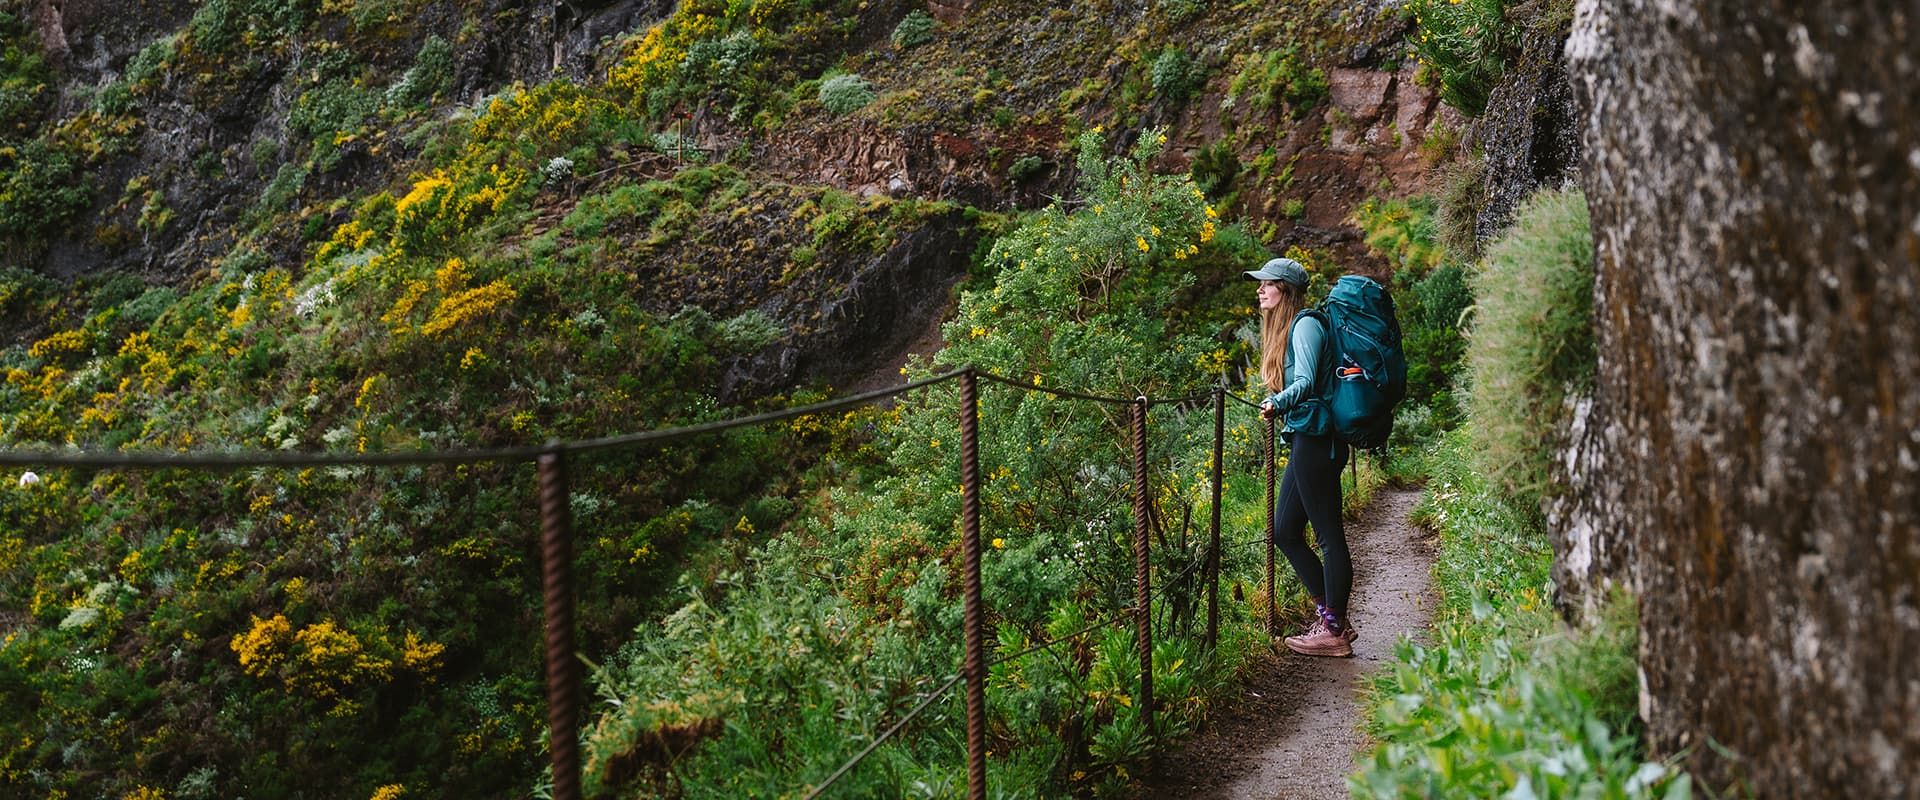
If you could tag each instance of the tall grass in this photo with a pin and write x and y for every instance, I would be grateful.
(1505, 701)
(1532, 342)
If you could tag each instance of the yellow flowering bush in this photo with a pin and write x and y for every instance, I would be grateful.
(264, 646)
(61, 343)
(332, 659)
(654, 61)
(441, 206)
(554, 112)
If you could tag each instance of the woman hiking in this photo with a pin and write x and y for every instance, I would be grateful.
(1294, 358)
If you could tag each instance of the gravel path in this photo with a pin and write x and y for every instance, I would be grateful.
(1296, 729)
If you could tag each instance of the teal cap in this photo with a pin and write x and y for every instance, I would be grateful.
(1284, 270)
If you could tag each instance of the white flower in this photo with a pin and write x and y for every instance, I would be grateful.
(28, 479)
(558, 169)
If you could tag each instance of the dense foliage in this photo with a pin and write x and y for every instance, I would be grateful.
(862, 602)
(1505, 701)
(244, 633)
(1432, 298)
(550, 260)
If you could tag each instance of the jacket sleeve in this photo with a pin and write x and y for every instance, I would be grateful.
(1308, 335)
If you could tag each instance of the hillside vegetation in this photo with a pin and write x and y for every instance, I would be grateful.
(386, 225)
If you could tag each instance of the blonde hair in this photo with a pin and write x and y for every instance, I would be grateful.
(1276, 327)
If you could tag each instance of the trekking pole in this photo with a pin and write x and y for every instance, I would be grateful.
(1271, 609)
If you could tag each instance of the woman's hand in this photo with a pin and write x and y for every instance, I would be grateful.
(1267, 411)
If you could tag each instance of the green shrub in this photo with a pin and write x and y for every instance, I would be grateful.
(721, 60)
(430, 76)
(1403, 230)
(1174, 75)
(1505, 701)
(845, 93)
(1025, 167)
(915, 30)
(334, 107)
(1278, 77)
(1293, 208)
(24, 79)
(1214, 169)
(1430, 317)
(41, 187)
(1533, 342)
(1463, 194)
(22, 293)
(152, 61)
(215, 27)
(1463, 45)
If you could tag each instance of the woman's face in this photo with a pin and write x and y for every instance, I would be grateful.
(1269, 294)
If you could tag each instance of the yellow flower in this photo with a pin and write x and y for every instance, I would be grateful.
(999, 544)
(978, 331)
(1140, 243)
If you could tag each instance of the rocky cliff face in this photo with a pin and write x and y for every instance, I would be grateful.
(1754, 176)
(1529, 133)
(210, 144)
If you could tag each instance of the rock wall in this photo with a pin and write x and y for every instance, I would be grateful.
(1753, 170)
(1529, 132)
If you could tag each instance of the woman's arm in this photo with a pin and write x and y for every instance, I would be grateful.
(1306, 339)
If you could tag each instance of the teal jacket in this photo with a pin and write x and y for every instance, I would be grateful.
(1302, 409)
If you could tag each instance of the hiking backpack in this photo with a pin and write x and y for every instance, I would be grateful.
(1369, 368)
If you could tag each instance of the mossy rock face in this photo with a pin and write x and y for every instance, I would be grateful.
(1530, 131)
(1756, 306)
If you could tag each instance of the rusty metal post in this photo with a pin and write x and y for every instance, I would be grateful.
(563, 668)
(1213, 536)
(975, 659)
(1142, 585)
(1272, 610)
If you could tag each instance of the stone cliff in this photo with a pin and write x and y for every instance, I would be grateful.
(1752, 454)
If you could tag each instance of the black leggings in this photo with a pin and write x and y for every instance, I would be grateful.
(1310, 492)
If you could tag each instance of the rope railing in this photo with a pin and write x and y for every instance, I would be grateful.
(136, 460)
(952, 680)
(882, 738)
(564, 678)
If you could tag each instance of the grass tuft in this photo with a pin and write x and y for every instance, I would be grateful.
(1532, 342)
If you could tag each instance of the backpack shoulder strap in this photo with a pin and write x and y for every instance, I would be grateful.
(1323, 372)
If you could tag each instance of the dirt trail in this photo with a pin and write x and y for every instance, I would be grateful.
(1294, 733)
